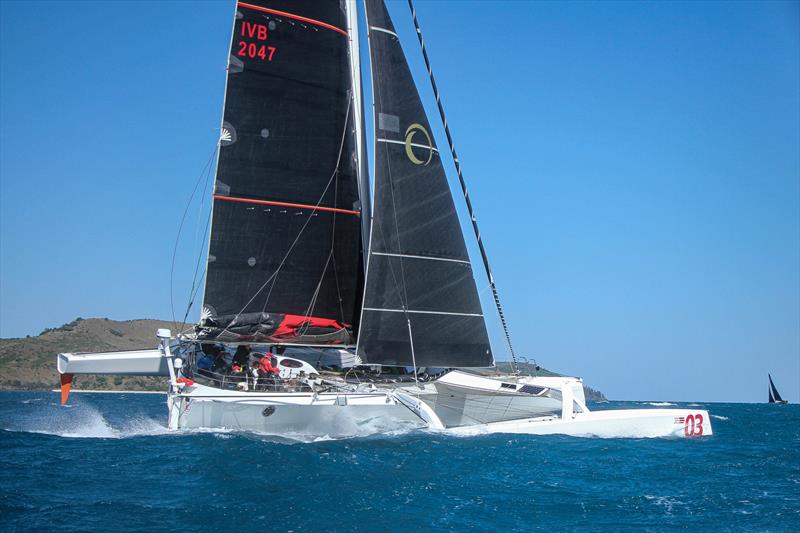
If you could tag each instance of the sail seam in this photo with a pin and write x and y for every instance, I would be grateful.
(285, 204)
(295, 17)
(415, 145)
(421, 312)
(384, 30)
(423, 257)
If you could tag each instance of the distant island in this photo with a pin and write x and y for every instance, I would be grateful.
(29, 363)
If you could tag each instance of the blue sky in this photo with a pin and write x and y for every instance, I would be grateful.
(635, 168)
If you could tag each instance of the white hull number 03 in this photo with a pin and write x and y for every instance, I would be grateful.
(693, 427)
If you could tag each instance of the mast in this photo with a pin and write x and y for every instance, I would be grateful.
(463, 184)
(358, 116)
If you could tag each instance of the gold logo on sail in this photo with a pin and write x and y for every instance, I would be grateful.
(410, 132)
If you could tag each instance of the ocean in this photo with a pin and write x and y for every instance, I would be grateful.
(107, 463)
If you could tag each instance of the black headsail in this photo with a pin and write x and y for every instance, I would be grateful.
(421, 306)
(774, 396)
(285, 253)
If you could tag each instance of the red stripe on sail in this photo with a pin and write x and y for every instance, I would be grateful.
(286, 204)
(295, 17)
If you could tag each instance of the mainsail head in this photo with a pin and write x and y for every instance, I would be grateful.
(421, 306)
(284, 262)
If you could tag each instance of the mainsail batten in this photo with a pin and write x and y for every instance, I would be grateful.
(421, 305)
(286, 234)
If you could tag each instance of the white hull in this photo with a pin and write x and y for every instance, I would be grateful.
(297, 413)
(622, 423)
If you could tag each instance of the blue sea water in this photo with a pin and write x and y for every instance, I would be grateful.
(106, 463)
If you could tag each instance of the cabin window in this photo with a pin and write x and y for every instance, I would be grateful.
(291, 363)
(531, 389)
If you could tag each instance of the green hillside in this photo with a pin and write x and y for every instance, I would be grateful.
(30, 363)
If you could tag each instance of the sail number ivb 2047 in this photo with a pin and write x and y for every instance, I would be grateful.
(251, 44)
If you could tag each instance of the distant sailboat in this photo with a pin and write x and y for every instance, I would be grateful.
(774, 396)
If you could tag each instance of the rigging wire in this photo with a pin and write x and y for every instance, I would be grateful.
(299, 234)
(464, 189)
(204, 173)
(402, 295)
(196, 283)
(309, 311)
(333, 179)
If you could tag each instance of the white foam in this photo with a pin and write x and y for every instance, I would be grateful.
(463, 431)
(720, 417)
(83, 421)
(659, 404)
(667, 502)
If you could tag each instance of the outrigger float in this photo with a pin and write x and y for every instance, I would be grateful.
(305, 264)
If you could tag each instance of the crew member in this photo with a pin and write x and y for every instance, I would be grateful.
(240, 358)
(268, 365)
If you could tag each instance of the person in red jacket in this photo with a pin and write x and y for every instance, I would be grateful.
(262, 366)
(267, 366)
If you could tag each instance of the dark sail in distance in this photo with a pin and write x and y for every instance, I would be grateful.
(285, 249)
(421, 304)
(774, 396)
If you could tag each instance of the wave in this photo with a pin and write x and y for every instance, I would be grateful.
(83, 421)
(659, 404)
(720, 417)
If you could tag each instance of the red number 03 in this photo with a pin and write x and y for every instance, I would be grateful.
(693, 426)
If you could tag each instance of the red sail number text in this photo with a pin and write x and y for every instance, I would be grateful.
(254, 49)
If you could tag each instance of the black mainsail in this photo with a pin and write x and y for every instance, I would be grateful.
(285, 253)
(421, 305)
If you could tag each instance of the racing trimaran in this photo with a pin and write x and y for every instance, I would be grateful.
(302, 259)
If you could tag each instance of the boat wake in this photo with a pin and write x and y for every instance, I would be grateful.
(82, 421)
(366, 431)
